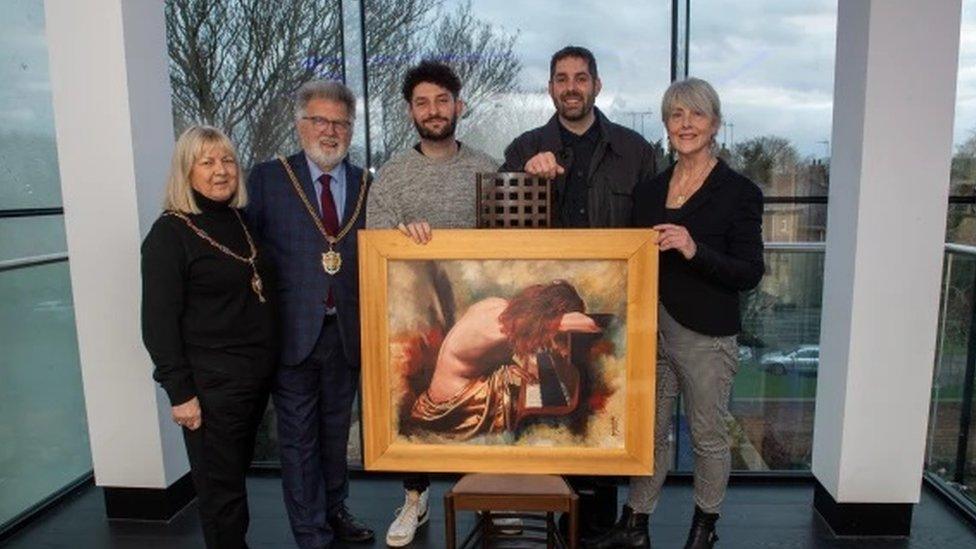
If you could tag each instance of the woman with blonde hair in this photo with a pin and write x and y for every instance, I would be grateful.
(208, 325)
(709, 223)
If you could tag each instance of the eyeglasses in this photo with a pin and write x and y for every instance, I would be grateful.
(320, 123)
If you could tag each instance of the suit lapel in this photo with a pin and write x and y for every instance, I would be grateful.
(299, 165)
(352, 192)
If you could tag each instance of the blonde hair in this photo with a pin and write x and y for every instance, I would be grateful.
(190, 145)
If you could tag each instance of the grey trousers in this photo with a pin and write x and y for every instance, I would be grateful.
(701, 368)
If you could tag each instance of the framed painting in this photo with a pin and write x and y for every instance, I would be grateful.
(509, 351)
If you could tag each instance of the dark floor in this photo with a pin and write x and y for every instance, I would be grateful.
(755, 515)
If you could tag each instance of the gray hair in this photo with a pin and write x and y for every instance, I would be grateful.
(329, 90)
(695, 94)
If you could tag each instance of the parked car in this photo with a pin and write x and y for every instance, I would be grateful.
(804, 359)
(745, 354)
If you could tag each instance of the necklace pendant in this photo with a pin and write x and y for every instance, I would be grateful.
(258, 286)
(331, 261)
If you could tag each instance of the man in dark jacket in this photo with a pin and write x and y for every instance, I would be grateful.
(594, 163)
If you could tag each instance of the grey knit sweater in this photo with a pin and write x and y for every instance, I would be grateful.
(412, 187)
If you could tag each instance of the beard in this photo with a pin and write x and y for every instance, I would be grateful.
(575, 113)
(324, 158)
(446, 132)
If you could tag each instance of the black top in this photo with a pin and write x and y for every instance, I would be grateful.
(620, 159)
(572, 207)
(198, 308)
(724, 218)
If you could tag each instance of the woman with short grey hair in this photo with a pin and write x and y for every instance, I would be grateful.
(709, 223)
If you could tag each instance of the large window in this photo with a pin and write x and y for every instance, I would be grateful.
(961, 225)
(950, 455)
(772, 64)
(43, 435)
(773, 67)
(502, 56)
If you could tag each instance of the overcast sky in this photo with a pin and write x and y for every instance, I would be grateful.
(771, 60)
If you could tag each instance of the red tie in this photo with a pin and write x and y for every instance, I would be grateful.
(330, 219)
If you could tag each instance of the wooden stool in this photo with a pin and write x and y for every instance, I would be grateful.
(519, 493)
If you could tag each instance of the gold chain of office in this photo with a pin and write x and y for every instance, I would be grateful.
(331, 260)
(256, 284)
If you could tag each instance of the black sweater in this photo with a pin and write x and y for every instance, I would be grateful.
(198, 308)
(724, 218)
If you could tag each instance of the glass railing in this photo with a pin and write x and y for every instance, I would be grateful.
(950, 453)
(772, 403)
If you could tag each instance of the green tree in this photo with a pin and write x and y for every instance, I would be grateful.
(763, 158)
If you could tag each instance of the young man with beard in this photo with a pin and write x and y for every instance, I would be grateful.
(595, 165)
(306, 210)
(430, 185)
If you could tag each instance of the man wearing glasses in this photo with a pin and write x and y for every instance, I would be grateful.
(305, 211)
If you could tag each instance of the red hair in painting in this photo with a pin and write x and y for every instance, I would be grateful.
(532, 317)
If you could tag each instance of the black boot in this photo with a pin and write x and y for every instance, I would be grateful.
(702, 534)
(630, 531)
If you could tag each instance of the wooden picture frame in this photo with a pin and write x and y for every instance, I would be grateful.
(611, 432)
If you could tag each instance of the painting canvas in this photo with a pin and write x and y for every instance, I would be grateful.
(497, 363)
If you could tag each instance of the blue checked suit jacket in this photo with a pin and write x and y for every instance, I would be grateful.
(282, 223)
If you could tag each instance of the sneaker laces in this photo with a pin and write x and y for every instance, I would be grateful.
(407, 514)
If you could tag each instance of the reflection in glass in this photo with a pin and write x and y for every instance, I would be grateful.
(43, 435)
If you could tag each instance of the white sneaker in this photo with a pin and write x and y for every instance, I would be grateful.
(408, 518)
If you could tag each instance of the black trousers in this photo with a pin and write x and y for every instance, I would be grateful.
(313, 402)
(418, 482)
(220, 452)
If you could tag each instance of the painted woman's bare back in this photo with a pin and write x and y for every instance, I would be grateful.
(475, 346)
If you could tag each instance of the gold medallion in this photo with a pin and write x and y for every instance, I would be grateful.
(331, 262)
(258, 287)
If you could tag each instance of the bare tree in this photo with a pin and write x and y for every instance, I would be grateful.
(235, 63)
(401, 33)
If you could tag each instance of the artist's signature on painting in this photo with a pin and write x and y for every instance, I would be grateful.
(613, 426)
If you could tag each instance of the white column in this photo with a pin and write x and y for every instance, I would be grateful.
(110, 84)
(894, 97)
